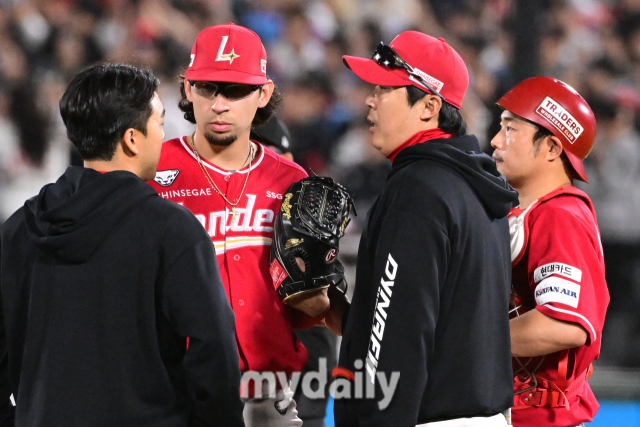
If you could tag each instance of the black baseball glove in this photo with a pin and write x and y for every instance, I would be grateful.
(311, 221)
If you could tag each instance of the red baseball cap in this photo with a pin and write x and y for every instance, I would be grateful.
(432, 59)
(228, 53)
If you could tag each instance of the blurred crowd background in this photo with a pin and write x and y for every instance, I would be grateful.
(593, 45)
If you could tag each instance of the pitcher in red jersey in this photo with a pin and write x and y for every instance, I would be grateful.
(234, 186)
(559, 294)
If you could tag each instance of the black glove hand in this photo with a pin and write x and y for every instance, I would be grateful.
(312, 219)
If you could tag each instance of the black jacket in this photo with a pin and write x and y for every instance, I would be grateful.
(101, 281)
(432, 291)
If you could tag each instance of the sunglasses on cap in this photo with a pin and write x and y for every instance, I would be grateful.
(231, 91)
(385, 55)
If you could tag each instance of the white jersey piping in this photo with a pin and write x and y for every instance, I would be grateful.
(595, 336)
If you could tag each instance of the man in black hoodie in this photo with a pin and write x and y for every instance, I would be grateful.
(426, 332)
(102, 281)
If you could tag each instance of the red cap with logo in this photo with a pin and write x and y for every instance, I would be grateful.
(228, 53)
(561, 110)
(432, 59)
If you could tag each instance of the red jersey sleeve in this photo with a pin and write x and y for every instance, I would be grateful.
(566, 265)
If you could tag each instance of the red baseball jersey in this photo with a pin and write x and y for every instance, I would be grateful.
(558, 269)
(264, 325)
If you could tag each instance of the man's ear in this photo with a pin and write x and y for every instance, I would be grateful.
(130, 142)
(265, 94)
(554, 147)
(187, 90)
(430, 106)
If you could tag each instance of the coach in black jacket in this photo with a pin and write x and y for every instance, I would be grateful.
(102, 281)
(428, 329)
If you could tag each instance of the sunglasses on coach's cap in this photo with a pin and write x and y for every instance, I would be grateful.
(231, 91)
(385, 55)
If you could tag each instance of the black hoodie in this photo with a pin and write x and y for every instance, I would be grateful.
(101, 281)
(432, 291)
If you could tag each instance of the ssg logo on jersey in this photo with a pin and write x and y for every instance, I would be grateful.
(166, 178)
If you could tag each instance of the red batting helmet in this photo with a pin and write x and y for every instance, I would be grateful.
(561, 110)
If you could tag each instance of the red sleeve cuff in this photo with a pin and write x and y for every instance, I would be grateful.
(569, 316)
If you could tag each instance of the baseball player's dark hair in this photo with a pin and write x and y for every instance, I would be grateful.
(102, 102)
(540, 135)
(262, 115)
(450, 119)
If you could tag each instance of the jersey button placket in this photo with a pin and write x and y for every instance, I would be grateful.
(227, 186)
(231, 189)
